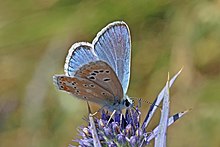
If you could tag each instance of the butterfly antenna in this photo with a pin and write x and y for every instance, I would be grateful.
(140, 100)
(152, 104)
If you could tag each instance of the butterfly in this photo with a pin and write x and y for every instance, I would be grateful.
(99, 72)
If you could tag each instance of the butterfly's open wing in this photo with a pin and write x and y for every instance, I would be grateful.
(79, 54)
(112, 45)
(103, 75)
(83, 89)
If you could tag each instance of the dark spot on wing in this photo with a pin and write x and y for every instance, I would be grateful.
(85, 85)
(95, 71)
(92, 78)
(94, 74)
(106, 79)
(91, 85)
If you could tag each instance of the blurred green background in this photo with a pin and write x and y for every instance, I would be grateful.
(166, 35)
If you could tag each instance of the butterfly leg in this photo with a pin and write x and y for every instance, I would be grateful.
(89, 109)
(113, 113)
(93, 114)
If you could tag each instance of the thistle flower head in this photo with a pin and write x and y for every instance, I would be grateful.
(125, 129)
(120, 130)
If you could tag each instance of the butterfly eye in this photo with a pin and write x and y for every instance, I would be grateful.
(127, 103)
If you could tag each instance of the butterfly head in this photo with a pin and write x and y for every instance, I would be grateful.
(118, 105)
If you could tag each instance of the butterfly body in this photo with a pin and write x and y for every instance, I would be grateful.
(100, 72)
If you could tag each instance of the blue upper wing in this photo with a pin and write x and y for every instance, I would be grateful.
(79, 54)
(113, 45)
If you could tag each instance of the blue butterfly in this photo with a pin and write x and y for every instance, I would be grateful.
(100, 71)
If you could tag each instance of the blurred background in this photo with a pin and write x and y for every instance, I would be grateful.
(166, 35)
